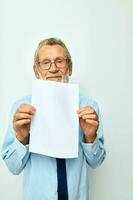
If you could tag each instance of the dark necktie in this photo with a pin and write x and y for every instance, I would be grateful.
(62, 179)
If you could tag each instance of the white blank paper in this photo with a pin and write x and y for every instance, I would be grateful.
(55, 126)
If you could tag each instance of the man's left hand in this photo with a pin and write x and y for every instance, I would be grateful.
(89, 122)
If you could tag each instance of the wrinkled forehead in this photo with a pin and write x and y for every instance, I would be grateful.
(51, 52)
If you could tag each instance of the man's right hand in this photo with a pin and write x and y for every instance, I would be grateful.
(22, 120)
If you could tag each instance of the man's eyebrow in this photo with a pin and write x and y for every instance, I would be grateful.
(46, 58)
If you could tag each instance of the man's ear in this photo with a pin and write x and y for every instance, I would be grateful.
(35, 68)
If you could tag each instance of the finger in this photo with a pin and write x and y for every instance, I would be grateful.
(22, 122)
(92, 122)
(19, 116)
(90, 116)
(89, 108)
(26, 108)
(87, 111)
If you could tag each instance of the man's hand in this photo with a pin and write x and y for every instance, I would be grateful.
(21, 122)
(89, 123)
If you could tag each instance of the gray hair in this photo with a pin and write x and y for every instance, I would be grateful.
(53, 41)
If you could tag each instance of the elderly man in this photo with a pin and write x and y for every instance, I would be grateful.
(48, 178)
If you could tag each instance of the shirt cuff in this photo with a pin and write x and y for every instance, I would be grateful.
(18, 147)
(92, 148)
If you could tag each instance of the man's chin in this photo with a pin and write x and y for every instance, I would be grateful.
(58, 79)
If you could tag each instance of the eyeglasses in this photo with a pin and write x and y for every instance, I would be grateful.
(59, 63)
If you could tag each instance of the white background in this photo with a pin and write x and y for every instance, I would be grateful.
(98, 34)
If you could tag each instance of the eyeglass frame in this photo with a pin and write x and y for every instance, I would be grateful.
(65, 59)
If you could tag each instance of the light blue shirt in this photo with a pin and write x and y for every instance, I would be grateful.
(40, 172)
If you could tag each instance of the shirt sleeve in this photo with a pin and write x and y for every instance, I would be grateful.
(95, 152)
(14, 153)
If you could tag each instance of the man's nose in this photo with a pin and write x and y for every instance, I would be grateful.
(53, 67)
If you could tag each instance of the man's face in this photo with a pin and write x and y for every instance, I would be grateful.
(58, 70)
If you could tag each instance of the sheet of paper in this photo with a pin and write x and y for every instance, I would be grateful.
(55, 127)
